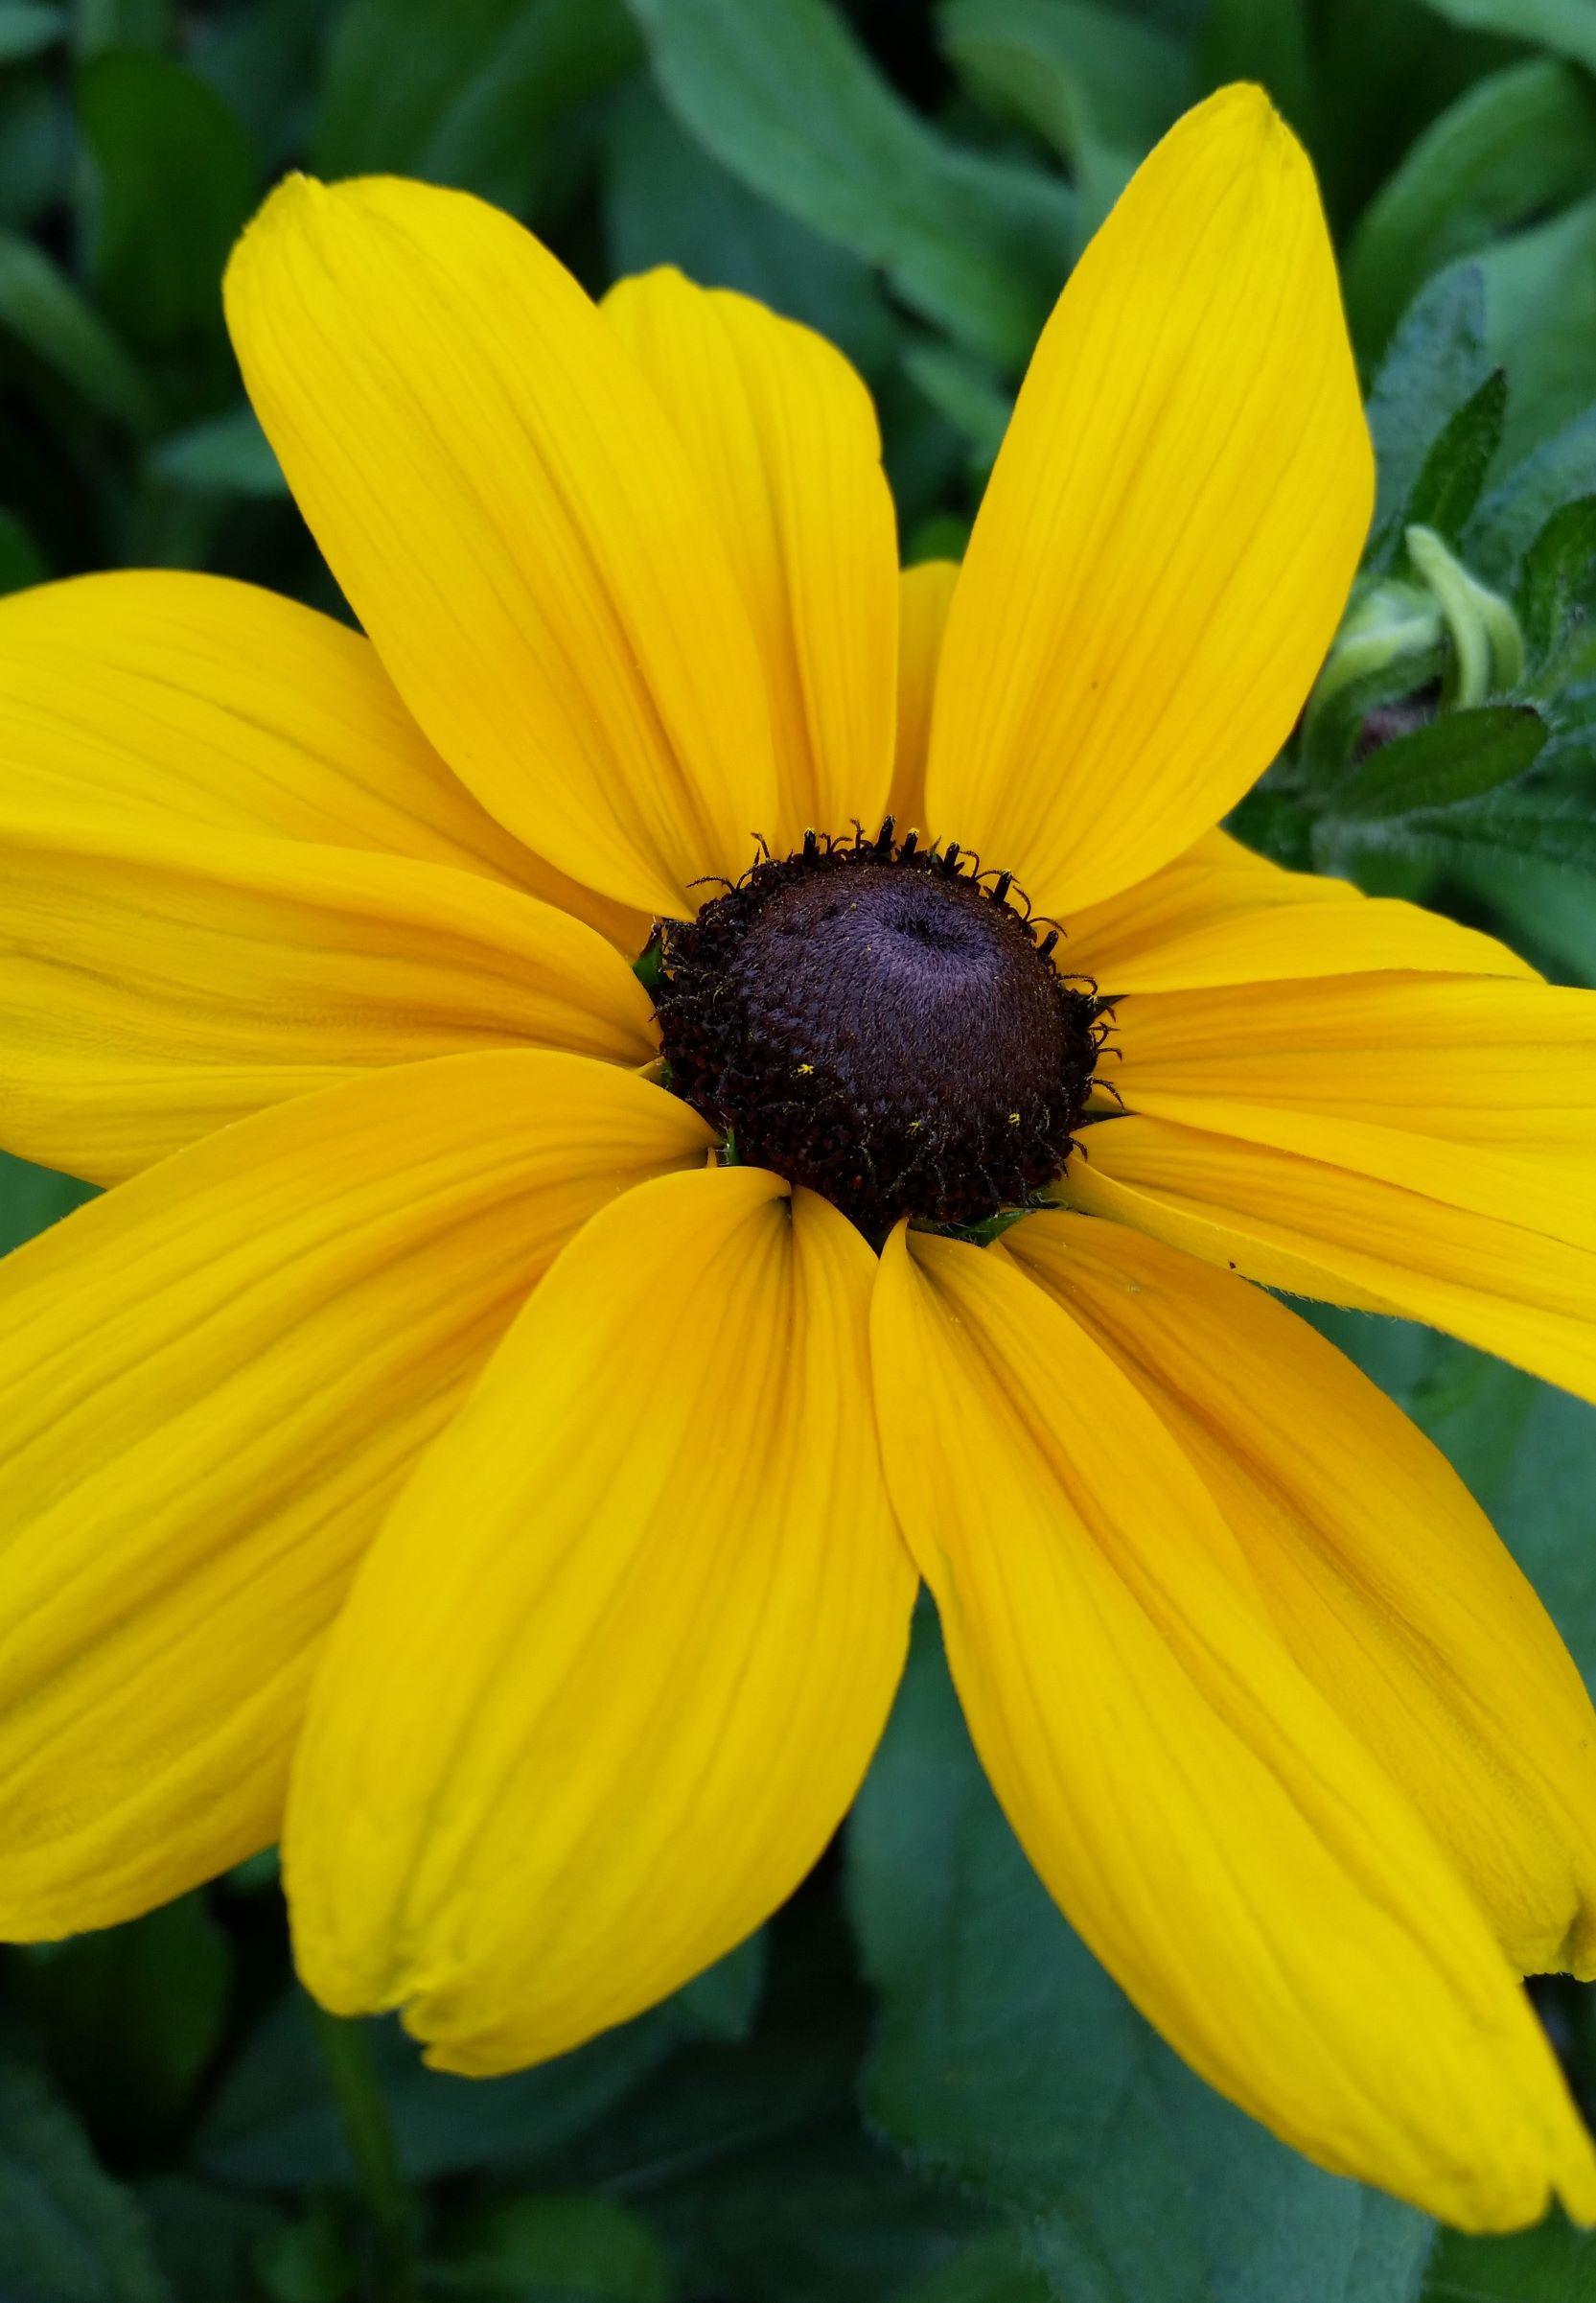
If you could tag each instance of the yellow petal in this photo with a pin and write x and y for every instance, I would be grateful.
(212, 1381)
(1316, 1230)
(1167, 538)
(1479, 1094)
(151, 990)
(187, 702)
(924, 598)
(505, 503)
(1225, 1844)
(1222, 914)
(616, 1667)
(1385, 1577)
(783, 438)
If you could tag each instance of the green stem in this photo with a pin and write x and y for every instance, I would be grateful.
(363, 2115)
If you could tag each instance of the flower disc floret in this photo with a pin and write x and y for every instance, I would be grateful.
(882, 1023)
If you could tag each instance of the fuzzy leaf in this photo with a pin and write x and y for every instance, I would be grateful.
(1457, 757)
(1545, 828)
(995, 2269)
(1453, 473)
(1436, 363)
(1515, 511)
(1557, 577)
(1540, 307)
(1008, 2062)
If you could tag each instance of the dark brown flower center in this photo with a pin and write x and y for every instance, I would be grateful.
(881, 1023)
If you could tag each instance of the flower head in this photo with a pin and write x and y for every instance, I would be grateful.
(492, 1433)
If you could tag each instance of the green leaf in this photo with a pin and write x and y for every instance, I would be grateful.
(1546, 911)
(1453, 472)
(1266, 41)
(1514, 513)
(100, 25)
(998, 2268)
(40, 307)
(554, 2249)
(1552, 2264)
(967, 394)
(223, 456)
(21, 562)
(204, 2236)
(784, 96)
(38, 147)
(944, 536)
(1007, 2059)
(1398, 691)
(1099, 88)
(68, 2234)
(752, 2163)
(1276, 825)
(1567, 27)
(133, 2014)
(1541, 1504)
(723, 2002)
(464, 95)
(273, 2125)
(28, 28)
(171, 181)
(32, 1197)
(305, 2261)
(263, 60)
(1557, 578)
(1455, 756)
(1525, 1450)
(1547, 828)
(666, 201)
(1436, 362)
(1540, 307)
(1079, 73)
(1516, 147)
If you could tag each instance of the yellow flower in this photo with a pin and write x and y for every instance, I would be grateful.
(436, 1453)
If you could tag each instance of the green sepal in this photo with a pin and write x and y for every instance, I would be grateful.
(983, 1234)
(1557, 578)
(1488, 647)
(649, 967)
(1391, 645)
(1453, 473)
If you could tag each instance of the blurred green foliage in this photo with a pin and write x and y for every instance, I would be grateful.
(915, 2086)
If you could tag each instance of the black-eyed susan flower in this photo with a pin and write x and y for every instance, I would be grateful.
(492, 1432)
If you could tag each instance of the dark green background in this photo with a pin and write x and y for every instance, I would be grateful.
(914, 2088)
